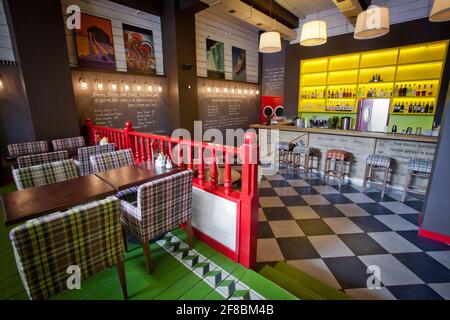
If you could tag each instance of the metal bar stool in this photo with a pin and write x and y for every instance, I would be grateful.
(303, 158)
(376, 162)
(339, 158)
(285, 153)
(416, 168)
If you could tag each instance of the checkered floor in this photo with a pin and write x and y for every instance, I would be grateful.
(335, 235)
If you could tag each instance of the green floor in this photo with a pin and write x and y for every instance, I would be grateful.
(178, 274)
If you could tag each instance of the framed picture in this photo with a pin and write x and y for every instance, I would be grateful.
(94, 42)
(239, 64)
(215, 59)
(139, 49)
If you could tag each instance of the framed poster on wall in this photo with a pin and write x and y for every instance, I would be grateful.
(215, 59)
(94, 42)
(139, 49)
(239, 64)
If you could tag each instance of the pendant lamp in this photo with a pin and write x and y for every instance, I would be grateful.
(314, 33)
(440, 11)
(270, 41)
(372, 23)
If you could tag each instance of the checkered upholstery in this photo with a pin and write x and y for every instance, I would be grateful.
(111, 160)
(71, 144)
(337, 154)
(420, 165)
(378, 160)
(84, 154)
(24, 149)
(44, 174)
(41, 158)
(88, 236)
(287, 146)
(303, 150)
(161, 206)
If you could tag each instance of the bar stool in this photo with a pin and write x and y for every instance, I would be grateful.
(376, 162)
(303, 158)
(284, 153)
(340, 158)
(416, 168)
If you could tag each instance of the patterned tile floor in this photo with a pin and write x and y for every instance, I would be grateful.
(336, 234)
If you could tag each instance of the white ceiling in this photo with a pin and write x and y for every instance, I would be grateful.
(304, 7)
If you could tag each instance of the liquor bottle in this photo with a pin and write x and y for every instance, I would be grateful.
(430, 92)
(400, 91)
(432, 107)
(410, 109)
(340, 93)
(424, 91)
(414, 108)
(419, 107)
(396, 92)
(402, 108)
(418, 92)
(427, 108)
(379, 77)
(409, 92)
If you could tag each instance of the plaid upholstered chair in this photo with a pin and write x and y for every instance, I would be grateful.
(44, 174)
(88, 236)
(70, 144)
(24, 149)
(162, 205)
(84, 154)
(41, 158)
(114, 160)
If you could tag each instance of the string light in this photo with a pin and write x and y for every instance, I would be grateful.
(126, 87)
(217, 90)
(138, 87)
(225, 90)
(113, 85)
(252, 92)
(159, 89)
(245, 91)
(208, 89)
(257, 92)
(2, 85)
(99, 84)
(83, 83)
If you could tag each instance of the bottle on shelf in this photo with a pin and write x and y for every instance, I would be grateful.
(424, 91)
(418, 91)
(431, 110)
(410, 108)
(430, 92)
(396, 91)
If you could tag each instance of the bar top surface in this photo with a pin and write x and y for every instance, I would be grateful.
(352, 133)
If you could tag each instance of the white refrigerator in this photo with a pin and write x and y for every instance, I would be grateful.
(373, 114)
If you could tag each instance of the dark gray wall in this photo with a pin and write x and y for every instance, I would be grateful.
(436, 213)
(401, 34)
(39, 42)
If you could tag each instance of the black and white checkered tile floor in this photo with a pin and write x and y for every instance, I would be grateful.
(335, 235)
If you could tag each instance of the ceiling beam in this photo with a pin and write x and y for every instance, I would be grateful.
(192, 6)
(279, 13)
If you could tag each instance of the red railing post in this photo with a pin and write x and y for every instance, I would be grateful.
(201, 166)
(213, 169)
(248, 153)
(227, 173)
(128, 128)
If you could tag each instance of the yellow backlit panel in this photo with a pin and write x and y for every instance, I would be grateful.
(420, 71)
(379, 58)
(344, 62)
(422, 53)
(315, 65)
(387, 74)
(343, 77)
(313, 79)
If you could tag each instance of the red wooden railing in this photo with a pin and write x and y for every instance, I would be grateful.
(206, 159)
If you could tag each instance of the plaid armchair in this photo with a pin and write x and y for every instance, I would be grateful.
(114, 160)
(84, 154)
(161, 206)
(44, 174)
(88, 236)
(70, 144)
(41, 158)
(24, 149)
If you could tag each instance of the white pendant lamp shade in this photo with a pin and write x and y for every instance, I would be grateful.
(270, 42)
(314, 33)
(440, 11)
(372, 23)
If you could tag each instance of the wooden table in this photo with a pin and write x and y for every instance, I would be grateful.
(134, 175)
(19, 206)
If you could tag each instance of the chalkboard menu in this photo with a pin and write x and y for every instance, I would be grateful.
(112, 99)
(227, 105)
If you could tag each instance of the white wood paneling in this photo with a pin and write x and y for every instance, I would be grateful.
(399, 11)
(6, 51)
(233, 33)
(118, 14)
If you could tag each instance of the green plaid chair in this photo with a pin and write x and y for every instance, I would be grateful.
(162, 205)
(84, 154)
(41, 158)
(114, 160)
(70, 144)
(88, 236)
(24, 149)
(44, 174)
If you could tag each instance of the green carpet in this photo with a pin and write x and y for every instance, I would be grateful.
(211, 276)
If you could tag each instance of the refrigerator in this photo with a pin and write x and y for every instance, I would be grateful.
(373, 114)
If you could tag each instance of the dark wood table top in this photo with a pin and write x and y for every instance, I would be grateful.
(134, 175)
(19, 206)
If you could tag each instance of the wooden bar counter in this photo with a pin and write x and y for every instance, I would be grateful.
(400, 147)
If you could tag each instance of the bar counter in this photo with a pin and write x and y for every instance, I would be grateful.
(399, 147)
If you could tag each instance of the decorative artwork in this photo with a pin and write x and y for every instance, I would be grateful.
(215, 59)
(139, 49)
(94, 41)
(239, 64)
